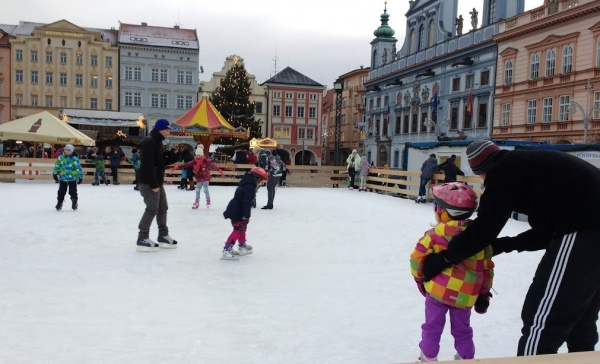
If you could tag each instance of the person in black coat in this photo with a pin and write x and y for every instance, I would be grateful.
(152, 172)
(450, 169)
(559, 193)
(238, 211)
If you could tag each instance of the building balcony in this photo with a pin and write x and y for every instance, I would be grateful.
(359, 106)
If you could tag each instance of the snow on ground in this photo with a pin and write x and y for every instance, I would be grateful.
(329, 281)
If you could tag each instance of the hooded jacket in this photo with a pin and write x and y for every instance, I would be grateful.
(152, 168)
(68, 167)
(429, 167)
(240, 205)
(201, 167)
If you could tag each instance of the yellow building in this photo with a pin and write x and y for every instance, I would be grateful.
(61, 65)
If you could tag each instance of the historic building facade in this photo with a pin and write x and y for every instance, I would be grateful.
(294, 115)
(548, 79)
(440, 84)
(158, 70)
(61, 65)
(4, 76)
(258, 96)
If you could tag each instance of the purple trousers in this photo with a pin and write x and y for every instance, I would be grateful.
(460, 327)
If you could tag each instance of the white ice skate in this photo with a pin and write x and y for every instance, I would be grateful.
(245, 249)
(230, 255)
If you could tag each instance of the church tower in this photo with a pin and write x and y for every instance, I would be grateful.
(383, 47)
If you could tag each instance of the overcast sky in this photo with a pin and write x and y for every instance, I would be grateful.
(321, 39)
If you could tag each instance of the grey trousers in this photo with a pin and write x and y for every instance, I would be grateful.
(271, 186)
(156, 206)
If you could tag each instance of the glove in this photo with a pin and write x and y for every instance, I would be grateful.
(421, 287)
(55, 176)
(434, 264)
(483, 302)
(79, 181)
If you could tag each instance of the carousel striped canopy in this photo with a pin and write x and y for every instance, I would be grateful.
(203, 114)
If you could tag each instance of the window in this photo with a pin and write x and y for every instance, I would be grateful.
(276, 110)
(188, 102)
(108, 104)
(108, 62)
(180, 76)
(180, 101)
(154, 100)
(63, 58)
(508, 73)
(18, 55)
(414, 126)
(596, 113)
(189, 78)
(79, 102)
(289, 95)
(128, 98)
(300, 111)
(534, 67)
(547, 110)
(277, 94)
(505, 115)
(482, 111)
(62, 79)
(154, 75)
(485, 78)
(34, 56)
(301, 133)
(94, 61)
(598, 54)
(421, 37)
(79, 59)
(137, 73)
(163, 101)
(550, 63)
(129, 73)
(312, 97)
(94, 103)
(108, 82)
(288, 111)
(78, 79)
(456, 84)
(48, 56)
(470, 81)
(386, 101)
(306, 133)
(412, 43)
(62, 101)
(18, 76)
(531, 111)
(163, 76)
(34, 76)
(301, 96)
(48, 100)
(312, 112)
(563, 108)
(18, 99)
(404, 124)
(431, 33)
(467, 118)
(258, 108)
(49, 78)
(94, 81)
(567, 59)
(137, 99)
(282, 132)
(33, 100)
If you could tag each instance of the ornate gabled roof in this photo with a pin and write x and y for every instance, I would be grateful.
(289, 76)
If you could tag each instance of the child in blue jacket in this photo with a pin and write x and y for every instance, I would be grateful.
(67, 171)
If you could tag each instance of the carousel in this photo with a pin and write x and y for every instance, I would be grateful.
(205, 124)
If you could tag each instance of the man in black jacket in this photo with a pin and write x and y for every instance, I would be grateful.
(152, 171)
(450, 169)
(560, 194)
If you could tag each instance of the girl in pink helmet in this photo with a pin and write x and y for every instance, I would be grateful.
(457, 288)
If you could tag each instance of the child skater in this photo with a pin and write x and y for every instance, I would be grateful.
(67, 170)
(238, 210)
(100, 166)
(457, 288)
(363, 168)
(136, 162)
(202, 167)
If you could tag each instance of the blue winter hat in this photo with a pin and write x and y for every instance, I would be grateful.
(162, 124)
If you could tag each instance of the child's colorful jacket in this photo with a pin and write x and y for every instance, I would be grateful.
(68, 167)
(202, 167)
(459, 285)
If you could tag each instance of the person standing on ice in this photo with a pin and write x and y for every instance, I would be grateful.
(67, 171)
(152, 172)
(559, 193)
(352, 165)
(201, 167)
(428, 169)
(363, 169)
(457, 288)
(239, 210)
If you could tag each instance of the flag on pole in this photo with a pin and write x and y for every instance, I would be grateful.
(470, 103)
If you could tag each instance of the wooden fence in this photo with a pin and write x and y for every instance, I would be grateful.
(392, 182)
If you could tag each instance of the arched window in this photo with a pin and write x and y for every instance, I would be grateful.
(412, 42)
(550, 62)
(431, 33)
(598, 54)
(534, 67)
(567, 59)
(421, 37)
(508, 73)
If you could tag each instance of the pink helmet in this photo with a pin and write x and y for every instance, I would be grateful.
(257, 171)
(458, 199)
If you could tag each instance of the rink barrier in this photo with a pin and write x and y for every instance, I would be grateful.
(590, 357)
(404, 184)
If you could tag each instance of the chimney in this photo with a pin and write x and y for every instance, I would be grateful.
(176, 27)
(144, 24)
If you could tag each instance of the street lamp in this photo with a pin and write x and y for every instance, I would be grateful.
(338, 86)
(573, 106)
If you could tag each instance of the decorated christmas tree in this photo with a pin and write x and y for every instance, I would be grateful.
(232, 99)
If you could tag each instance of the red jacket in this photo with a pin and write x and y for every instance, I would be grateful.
(202, 167)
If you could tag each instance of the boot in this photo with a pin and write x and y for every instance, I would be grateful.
(74, 203)
(59, 205)
(196, 204)
(208, 203)
(192, 186)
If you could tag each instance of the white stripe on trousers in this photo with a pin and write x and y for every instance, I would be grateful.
(558, 271)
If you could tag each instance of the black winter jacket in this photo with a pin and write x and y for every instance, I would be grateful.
(241, 204)
(559, 192)
(152, 168)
